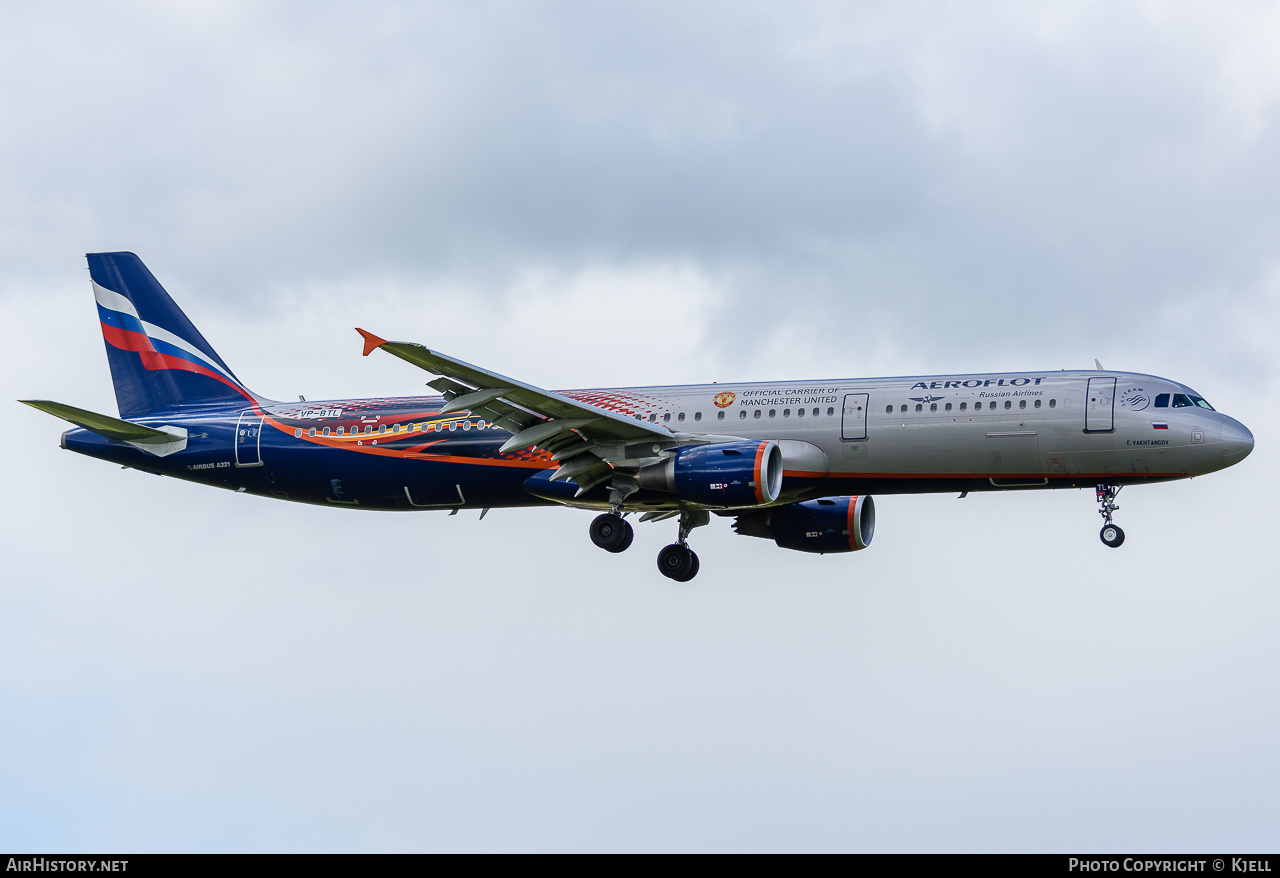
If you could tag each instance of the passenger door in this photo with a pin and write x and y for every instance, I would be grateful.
(249, 439)
(1099, 411)
(853, 422)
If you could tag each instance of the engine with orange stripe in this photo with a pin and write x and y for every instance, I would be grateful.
(727, 475)
(826, 526)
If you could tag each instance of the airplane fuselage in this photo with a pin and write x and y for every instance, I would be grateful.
(1024, 430)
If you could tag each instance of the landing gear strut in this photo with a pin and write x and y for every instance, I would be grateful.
(1111, 533)
(611, 533)
(677, 561)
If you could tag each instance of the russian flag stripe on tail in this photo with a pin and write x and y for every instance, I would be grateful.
(159, 360)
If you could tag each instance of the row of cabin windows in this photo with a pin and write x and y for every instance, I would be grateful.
(383, 429)
(742, 414)
(977, 406)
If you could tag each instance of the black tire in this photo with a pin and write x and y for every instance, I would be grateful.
(693, 568)
(1111, 535)
(675, 561)
(630, 536)
(611, 533)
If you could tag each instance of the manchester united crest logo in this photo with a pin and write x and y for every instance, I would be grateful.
(724, 400)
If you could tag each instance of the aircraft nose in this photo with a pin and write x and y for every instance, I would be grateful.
(1237, 442)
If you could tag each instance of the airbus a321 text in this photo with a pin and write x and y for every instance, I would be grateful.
(795, 462)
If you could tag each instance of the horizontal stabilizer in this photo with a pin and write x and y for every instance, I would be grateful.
(103, 425)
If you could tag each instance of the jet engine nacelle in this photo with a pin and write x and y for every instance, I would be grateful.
(726, 475)
(832, 524)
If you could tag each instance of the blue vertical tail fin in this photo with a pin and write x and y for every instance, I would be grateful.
(159, 360)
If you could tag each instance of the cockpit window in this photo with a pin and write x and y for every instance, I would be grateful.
(1162, 400)
(1181, 401)
(1201, 402)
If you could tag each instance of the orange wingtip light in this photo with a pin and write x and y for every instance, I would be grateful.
(371, 341)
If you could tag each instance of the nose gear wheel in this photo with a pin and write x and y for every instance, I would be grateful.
(1111, 534)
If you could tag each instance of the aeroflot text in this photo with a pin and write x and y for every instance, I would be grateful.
(976, 382)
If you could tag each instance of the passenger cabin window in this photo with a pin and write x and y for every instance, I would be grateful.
(1162, 400)
(1022, 403)
(697, 416)
(1053, 403)
(311, 432)
(904, 409)
(742, 414)
(680, 417)
(667, 417)
(831, 411)
(919, 407)
(1182, 401)
(773, 413)
(963, 406)
(757, 413)
(948, 406)
(786, 413)
(1037, 403)
(977, 406)
(799, 413)
(888, 410)
(1008, 403)
(815, 411)
(297, 434)
(720, 415)
(933, 407)
(325, 432)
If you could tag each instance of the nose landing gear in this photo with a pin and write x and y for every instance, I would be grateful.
(1111, 534)
(677, 561)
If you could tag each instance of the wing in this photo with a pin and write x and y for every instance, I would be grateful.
(590, 444)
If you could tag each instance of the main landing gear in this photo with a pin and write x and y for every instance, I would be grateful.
(676, 561)
(611, 532)
(1111, 533)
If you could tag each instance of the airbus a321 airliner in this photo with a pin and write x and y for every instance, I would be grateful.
(795, 462)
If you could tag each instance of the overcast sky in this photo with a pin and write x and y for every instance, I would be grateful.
(585, 194)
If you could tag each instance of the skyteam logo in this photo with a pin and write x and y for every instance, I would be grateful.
(1135, 399)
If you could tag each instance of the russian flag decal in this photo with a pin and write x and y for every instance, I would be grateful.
(1157, 425)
